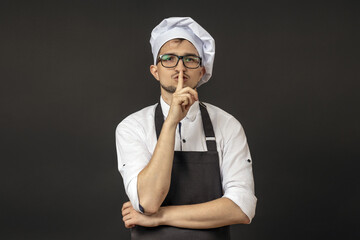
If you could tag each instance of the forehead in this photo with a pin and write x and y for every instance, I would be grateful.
(178, 47)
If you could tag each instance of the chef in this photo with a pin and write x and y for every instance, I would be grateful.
(185, 164)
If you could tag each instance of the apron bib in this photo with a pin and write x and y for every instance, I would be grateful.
(195, 178)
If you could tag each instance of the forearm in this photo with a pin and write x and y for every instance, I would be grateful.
(212, 214)
(154, 180)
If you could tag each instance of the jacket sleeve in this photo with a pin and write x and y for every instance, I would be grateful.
(238, 181)
(132, 156)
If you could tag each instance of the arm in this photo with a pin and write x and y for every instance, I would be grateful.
(236, 206)
(154, 180)
(236, 168)
(217, 213)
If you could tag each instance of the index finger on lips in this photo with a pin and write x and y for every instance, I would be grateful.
(180, 81)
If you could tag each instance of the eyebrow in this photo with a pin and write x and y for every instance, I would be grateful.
(186, 54)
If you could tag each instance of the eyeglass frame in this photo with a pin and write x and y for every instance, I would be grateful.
(179, 57)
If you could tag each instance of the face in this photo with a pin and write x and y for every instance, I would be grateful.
(168, 77)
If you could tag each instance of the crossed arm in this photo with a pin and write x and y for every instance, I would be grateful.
(216, 213)
(153, 185)
(153, 188)
(154, 182)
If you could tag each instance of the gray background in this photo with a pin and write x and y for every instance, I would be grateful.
(72, 70)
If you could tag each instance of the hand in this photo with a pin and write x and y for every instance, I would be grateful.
(182, 100)
(132, 218)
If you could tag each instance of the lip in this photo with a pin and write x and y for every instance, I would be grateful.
(176, 78)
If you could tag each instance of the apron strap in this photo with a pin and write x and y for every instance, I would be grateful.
(159, 120)
(208, 128)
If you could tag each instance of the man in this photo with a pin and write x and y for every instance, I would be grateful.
(186, 165)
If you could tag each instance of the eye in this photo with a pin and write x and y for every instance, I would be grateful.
(191, 59)
(168, 58)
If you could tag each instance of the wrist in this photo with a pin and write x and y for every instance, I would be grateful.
(170, 123)
(161, 216)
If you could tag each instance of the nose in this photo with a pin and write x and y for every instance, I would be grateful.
(180, 66)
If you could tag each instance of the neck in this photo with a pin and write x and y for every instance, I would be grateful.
(167, 97)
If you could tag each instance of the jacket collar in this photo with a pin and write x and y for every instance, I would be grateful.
(191, 115)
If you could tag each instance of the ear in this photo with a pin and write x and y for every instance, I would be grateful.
(154, 72)
(202, 72)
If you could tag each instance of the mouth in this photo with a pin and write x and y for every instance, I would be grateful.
(184, 77)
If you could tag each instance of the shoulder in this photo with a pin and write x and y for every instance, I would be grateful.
(219, 115)
(137, 121)
(223, 122)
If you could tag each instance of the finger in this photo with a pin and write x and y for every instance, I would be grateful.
(126, 205)
(183, 108)
(125, 212)
(129, 223)
(187, 107)
(183, 99)
(180, 81)
(193, 98)
(189, 102)
(187, 99)
(130, 226)
(126, 218)
(191, 91)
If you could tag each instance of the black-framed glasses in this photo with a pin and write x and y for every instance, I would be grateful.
(172, 60)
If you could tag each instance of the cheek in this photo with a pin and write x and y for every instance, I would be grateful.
(164, 75)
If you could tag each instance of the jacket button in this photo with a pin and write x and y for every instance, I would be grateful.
(249, 160)
(184, 141)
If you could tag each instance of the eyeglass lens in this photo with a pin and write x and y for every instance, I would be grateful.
(170, 60)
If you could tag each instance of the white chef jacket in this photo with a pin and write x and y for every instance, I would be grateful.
(136, 140)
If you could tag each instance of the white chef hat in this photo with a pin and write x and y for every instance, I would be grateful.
(187, 28)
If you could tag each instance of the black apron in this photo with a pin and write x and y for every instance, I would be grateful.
(195, 178)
